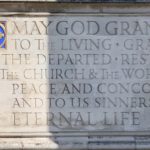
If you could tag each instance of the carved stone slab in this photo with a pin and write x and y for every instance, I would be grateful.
(75, 73)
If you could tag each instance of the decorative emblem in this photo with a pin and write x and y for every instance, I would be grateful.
(2, 35)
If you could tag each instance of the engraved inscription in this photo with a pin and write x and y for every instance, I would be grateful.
(75, 73)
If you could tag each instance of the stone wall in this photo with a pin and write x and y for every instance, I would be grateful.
(103, 41)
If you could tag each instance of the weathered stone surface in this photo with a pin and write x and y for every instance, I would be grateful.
(75, 143)
(75, 73)
(91, 1)
(44, 108)
(105, 1)
(29, 52)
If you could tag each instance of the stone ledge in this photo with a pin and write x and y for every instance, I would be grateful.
(86, 1)
(73, 143)
(23, 8)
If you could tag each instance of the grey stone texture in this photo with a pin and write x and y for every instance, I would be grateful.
(82, 1)
(71, 141)
(107, 1)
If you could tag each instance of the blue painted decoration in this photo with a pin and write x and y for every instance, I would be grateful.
(2, 36)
